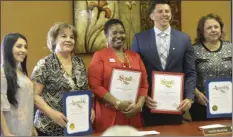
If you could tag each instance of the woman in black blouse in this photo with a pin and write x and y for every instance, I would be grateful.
(55, 74)
(213, 59)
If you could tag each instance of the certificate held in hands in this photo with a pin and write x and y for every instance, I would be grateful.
(125, 84)
(219, 94)
(167, 91)
(77, 109)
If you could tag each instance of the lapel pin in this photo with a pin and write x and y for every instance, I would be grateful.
(173, 48)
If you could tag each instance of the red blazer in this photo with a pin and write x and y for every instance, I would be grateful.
(99, 76)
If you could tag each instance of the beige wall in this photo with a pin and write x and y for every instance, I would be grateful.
(34, 18)
(193, 10)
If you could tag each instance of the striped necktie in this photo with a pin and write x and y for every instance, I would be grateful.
(163, 48)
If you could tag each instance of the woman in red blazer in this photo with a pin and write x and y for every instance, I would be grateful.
(109, 110)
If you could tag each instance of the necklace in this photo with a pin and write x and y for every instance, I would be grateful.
(63, 67)
(128, 62)
(124, 65)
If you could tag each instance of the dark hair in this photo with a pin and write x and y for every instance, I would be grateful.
(155, 2)
(111, 22)
(9, 65)
(54, 31)
(200, 27)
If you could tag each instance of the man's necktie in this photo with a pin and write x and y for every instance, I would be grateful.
(163, 49)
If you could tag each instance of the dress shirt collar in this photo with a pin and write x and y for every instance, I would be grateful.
(167, 31)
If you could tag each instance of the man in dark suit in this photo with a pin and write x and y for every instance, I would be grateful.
(176, 57)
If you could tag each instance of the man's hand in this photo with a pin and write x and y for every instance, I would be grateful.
(150, 103)
(185, 105)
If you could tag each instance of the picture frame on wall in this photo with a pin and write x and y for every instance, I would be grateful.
(90, 17)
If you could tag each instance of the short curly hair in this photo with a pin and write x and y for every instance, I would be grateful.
(200, 28)
(111, 22)
(54, 31)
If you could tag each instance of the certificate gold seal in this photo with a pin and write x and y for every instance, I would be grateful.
(215, 108)
(72, 126)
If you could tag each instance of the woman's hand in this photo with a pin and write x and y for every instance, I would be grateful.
(92, 115)
(132, 110)
(201, 98)
(58, 118)
(34, 132)
(123, 105)
(4, 128)
(8, 134)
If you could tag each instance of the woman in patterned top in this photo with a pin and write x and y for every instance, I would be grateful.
(16, 88)
(54, 75)
(213, 60)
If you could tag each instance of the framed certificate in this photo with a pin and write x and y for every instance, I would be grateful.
(167, 91)
(77, 109)
(125, 84)
(219, 94)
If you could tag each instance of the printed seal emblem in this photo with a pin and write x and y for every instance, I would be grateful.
(72, 126)
(215, 108)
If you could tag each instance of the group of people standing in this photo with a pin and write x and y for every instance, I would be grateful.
(63, 71)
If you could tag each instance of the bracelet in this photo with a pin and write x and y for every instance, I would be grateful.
(118, 102)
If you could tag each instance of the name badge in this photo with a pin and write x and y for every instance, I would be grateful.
(112, 60)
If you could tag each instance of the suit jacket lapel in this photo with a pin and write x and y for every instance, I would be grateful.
(154, 51)
(172, 47)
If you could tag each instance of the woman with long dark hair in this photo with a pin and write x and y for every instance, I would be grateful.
(16, 88)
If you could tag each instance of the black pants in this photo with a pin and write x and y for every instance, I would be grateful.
(40, 133)
(151, 119)
(198, 112)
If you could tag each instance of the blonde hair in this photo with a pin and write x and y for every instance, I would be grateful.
(121, 131)
(54, 31)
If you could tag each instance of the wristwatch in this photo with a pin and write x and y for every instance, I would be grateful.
(118, 102)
